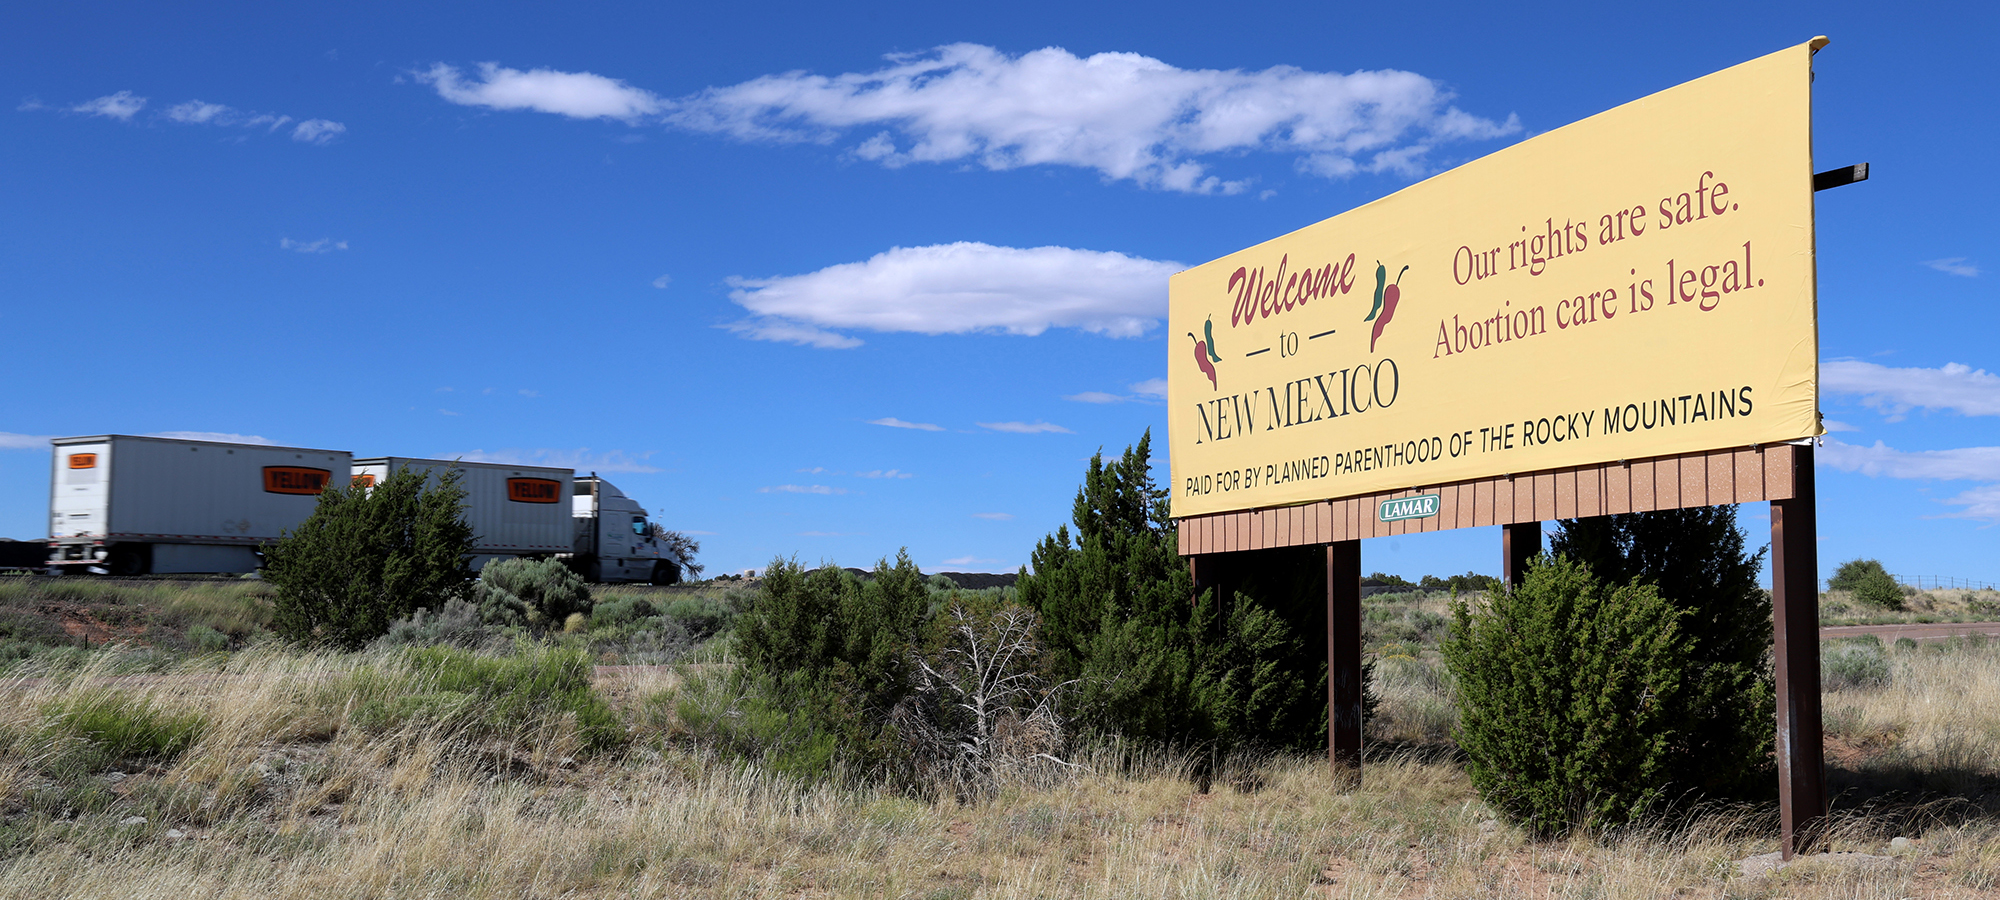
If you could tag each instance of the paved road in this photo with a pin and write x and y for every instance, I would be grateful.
(1932, 632)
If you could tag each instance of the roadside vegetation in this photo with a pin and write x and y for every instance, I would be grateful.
(1089, 732)
(1861, 592)
(272, 771)
(1838, 607)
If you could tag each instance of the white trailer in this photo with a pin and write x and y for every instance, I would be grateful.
(131, 505)
(513, 510)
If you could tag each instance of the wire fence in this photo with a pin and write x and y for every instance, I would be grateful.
(1940, 582)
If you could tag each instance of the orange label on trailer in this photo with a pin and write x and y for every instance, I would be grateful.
(534, 490)
(295, 479)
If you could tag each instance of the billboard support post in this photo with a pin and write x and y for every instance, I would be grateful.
(1519, 542)
(1795, 656)
(1343, 660)
(1205, 571)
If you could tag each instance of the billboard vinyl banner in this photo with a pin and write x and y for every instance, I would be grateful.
(1636, 284)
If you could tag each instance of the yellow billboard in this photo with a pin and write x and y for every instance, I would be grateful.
(1636, 284)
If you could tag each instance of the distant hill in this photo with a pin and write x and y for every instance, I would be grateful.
(974, 581)
(971, 581)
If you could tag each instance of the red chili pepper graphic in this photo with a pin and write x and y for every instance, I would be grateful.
(1390, 295)
(1201, 359)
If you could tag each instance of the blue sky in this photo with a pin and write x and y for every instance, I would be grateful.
(827, 280)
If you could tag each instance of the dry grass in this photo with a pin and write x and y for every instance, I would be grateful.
(235, 607)
(1933, 729)
(286, 792)
(1936, 605)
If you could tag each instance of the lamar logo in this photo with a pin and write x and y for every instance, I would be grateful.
(295, 480)
(534, 490)
(1386, 296)
(1204, 351)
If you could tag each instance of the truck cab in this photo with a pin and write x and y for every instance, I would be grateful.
(614, 540)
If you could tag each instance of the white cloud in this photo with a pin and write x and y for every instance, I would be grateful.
(662, 281)
(801, 489)
(967, 561)
(959, 288)
(997, 517)
(317, 131)
(894, 422)
(220, 437)
(1125, 115)
(1893, 392)
(580, 459)
(1151, 389)
(876, 473)
(1833, 425)
(792, 333)
(1960, 464)
(579, 95)
(446, 412)
(528, 393)
(121, 106)
(1025, 427)
(323, 245)
(195, 112)
(1979, 503)
(1955, 265)
(11, 441)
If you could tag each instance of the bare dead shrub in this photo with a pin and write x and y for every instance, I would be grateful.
(981, 714)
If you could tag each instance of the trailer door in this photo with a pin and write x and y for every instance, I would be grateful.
(80, 492)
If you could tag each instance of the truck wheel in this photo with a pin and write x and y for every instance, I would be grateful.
(665, 574)
(126, 561)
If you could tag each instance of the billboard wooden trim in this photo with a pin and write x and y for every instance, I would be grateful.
(1706, 478)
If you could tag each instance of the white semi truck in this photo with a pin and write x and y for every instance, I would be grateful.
(546, 511)
(128, 505)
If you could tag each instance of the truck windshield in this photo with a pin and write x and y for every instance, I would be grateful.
(639, 525)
